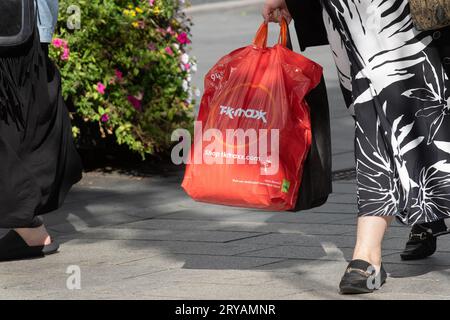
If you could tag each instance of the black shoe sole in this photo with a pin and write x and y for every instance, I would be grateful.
(423, 255)
(349, 289)
(51, 248)
(14, 248)
(356, 289)
(28, 257)
(410, 257)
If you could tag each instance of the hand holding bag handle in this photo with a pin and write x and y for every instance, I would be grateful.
(260, 40)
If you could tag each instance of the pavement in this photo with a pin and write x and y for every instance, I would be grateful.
(129, 237)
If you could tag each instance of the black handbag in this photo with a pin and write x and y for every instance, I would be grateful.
(17, 23)
(316, 183)
(17, 36)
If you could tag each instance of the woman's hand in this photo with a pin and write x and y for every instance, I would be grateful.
(273, 10)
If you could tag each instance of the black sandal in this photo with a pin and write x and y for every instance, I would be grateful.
(359, 277)
(13, 247)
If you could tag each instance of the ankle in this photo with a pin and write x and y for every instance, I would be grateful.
(371, 256)
(376, 263)
(34, 236)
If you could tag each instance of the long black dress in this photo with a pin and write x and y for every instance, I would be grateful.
(38, 159)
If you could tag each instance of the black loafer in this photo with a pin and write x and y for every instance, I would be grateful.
(422, 240)
(360, 277)
(13, 247)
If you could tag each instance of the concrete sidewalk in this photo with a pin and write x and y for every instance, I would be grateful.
(136, 238)
(143, 238)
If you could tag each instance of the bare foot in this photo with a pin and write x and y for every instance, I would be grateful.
(35, 236)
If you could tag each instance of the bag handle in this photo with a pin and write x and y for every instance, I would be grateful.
(260, 39)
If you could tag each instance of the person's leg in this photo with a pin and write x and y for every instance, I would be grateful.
(370, 233)
(365, 273)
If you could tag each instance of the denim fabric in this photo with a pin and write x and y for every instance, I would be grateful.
(48, 15)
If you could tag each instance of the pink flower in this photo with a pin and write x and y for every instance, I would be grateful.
(183, 38)
(101, 88)
(187, 66)
(119, 75)
(135, 102)
(151, 2)
(57, 43)
(104, 118)
(170, 31)
(169, 50)
(66, 54)
(61, 43)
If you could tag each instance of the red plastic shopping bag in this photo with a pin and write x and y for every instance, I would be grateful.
(253, 130)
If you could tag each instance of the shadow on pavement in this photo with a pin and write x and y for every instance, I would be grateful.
(148, 227)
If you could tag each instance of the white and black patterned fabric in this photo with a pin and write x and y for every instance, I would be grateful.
(399, 94)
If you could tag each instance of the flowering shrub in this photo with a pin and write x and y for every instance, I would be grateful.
(125, 71)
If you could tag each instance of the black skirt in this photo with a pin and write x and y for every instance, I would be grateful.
(38, 159)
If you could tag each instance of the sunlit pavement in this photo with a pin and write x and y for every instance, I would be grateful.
(134, 238)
